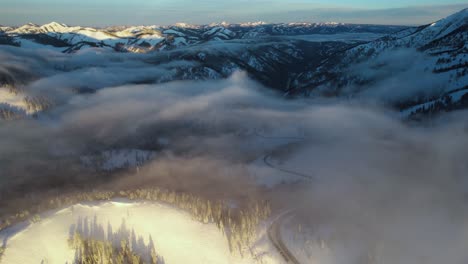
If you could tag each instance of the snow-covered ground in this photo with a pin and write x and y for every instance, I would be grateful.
(177, 237)
(15, 100)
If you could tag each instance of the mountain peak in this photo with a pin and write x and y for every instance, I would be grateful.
(55, 24)
(253, 24)
(185, 25)
(54, 27)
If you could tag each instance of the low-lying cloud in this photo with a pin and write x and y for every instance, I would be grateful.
(378, 182)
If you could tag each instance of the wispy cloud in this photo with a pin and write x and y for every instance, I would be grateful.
(381, 182)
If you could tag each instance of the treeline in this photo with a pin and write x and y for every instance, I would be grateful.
(37, 103)
(2, 250)
(238, 223)
(8, 112)
(11, 88)
(94, 246)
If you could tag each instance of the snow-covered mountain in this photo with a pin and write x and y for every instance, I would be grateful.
(414, 69)
(432, 57)
(150, 38)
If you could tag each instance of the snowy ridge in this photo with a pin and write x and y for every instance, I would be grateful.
(55, 27)
(417, 37)
(305, 59)
(446, 26)
(157, 38)
(436, 51)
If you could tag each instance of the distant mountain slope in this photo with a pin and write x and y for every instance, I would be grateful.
(432, 58)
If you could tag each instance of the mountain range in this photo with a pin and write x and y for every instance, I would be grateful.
(159, 38)
(416, 70)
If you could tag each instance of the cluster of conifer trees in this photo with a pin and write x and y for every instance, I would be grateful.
(2, 249)
(37, 103)
(94, 246)
(8, 113)
(10, 88)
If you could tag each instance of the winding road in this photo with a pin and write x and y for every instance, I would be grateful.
(271, 165)
(266, 158)
(274, 235)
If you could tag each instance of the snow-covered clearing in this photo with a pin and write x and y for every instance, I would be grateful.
(177, 237)
(15, 100)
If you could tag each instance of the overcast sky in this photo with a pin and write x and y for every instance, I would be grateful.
(163, 12)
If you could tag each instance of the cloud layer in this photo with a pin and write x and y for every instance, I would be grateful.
(380, 185)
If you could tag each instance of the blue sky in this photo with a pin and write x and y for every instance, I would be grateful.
(146, 12)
